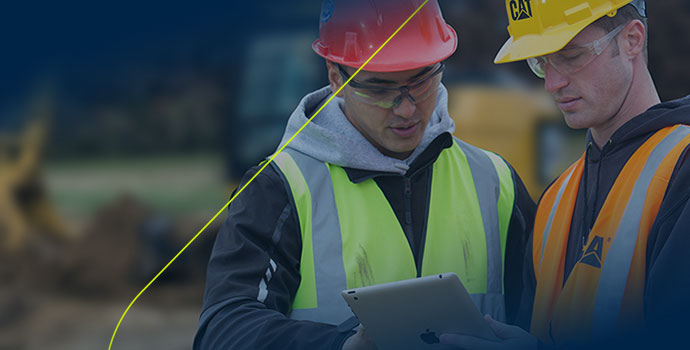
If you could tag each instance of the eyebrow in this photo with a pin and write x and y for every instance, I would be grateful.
(571, 46)
(375, 80)
(424, 71)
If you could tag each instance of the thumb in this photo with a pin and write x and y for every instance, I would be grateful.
(503, 330)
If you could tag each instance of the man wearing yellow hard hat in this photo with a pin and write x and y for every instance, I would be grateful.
(608, 257)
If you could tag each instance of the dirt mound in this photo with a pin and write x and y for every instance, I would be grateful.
(104, 261)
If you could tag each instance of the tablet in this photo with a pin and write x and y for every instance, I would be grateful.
(412, 314)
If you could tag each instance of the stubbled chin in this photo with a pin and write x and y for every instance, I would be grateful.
(575, 121)
(405, 146)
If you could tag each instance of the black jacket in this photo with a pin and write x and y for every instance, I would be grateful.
(262, 224)
(667, 286)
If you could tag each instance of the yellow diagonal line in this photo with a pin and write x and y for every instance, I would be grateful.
(259, 172)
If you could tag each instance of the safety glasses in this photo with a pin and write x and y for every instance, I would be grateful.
(571, 59)
(390, 97)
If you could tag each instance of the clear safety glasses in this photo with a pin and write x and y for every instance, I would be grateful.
(571, 59)
(390, 97)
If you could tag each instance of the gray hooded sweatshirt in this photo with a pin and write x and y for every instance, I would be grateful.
(331, 137)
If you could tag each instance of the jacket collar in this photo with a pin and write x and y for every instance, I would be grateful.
(644, 125)
(424, 160)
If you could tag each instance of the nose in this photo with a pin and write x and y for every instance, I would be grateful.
(554, 80)
(406, 108)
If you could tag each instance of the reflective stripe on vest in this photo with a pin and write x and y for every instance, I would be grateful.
(351, 236)
(604, 292)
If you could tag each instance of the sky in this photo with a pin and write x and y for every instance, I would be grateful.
(76, 41)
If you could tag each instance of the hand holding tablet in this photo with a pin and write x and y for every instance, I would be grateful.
(412, 314)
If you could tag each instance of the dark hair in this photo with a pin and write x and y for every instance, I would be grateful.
(623, 16)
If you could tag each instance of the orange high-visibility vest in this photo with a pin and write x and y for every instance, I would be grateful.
(603, 294)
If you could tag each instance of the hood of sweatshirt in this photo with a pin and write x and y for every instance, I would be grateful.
(602, 166)
(644, 125)
(330, 137)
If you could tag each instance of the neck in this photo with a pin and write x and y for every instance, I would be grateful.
(641, 96)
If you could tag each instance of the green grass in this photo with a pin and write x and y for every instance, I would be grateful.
(176, 185)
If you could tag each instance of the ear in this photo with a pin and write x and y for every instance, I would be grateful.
(335, 80)
(633, 36)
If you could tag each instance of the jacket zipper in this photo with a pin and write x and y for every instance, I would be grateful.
(408, 222)
(590, 224)
(408, 206)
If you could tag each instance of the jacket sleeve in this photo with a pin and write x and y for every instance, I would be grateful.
(519, 230)
(667, 285)
(523, 317)
(253, 276)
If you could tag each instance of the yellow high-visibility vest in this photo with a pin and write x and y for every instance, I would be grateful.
(352, 238)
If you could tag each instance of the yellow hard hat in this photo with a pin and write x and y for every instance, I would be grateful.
(540, 27)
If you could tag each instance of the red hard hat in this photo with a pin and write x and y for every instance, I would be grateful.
(350, 31)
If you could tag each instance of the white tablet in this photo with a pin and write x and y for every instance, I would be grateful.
(411, 314)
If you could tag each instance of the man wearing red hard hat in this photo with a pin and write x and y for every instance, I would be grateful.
(375, 189)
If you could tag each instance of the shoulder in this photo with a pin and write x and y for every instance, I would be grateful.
(499, 162)
(264, 175)
(508, 176)
(677, 195)
(673, 213)
(262, 208)
(477, 153)
(262, 183)
(495, 157)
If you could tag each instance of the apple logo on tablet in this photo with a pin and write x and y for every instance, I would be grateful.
(429, 337)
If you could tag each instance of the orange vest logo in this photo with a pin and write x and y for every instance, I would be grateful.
(520, 9)
(592, 256)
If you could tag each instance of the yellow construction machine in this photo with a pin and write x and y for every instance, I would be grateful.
(522, 125)
(25, 208)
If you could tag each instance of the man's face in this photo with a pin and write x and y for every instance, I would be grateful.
(592, 96)
(394, 131)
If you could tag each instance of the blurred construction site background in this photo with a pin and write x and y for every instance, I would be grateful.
(125, 126)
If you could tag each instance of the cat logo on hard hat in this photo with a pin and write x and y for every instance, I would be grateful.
(520, 9)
